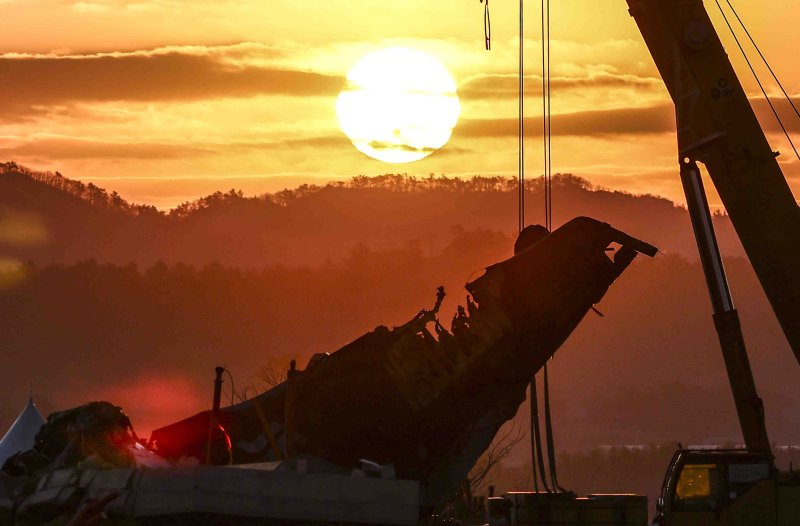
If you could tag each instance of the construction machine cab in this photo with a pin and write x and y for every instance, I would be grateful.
(700, 485)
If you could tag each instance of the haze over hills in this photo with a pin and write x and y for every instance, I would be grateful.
(245, 282)
(308, 225)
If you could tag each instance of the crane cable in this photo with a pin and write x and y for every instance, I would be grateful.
(763, 58)
(521, 122)
(537, 458)
(536, 439)
(537, 451)
(547, 174)
(548, 211)
(755, 75)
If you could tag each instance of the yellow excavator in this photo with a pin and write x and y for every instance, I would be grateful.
(717, 128)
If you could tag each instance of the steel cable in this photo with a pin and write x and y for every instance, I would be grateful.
(758, 81)
(766, 63)
(521, 118)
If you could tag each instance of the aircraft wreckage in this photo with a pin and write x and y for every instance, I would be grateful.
(419, 402)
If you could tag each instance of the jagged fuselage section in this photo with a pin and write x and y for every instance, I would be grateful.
(418, 396)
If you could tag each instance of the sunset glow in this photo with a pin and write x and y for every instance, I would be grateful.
(129, 96)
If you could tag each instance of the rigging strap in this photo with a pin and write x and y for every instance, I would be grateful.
(551, 445)
(536, 439)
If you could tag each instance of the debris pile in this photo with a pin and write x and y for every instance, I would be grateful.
(97, 433)
(419, 401)
(426, 399)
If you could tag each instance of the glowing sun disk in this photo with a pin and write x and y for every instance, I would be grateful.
(398, 105)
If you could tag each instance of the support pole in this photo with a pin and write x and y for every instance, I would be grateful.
(288, 420)
(212, 427)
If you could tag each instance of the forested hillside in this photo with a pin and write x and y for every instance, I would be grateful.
(308, 225)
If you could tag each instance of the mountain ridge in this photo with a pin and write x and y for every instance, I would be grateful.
(312, 224)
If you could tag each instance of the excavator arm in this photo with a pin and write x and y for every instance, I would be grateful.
(718, 128)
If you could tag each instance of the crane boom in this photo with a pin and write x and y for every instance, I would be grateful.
(717, 127)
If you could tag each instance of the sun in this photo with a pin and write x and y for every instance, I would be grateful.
(398, 105)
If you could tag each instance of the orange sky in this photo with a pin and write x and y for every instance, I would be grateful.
(168, 100)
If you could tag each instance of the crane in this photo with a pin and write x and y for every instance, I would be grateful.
(717, 128)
